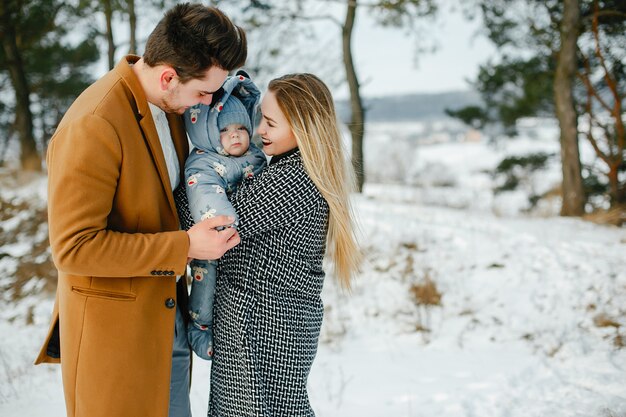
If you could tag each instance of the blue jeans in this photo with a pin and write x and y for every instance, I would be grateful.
(180, 405)
(200, 330)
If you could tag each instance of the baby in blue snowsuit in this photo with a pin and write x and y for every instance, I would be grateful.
(222, 157)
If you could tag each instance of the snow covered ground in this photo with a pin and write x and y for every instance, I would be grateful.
(530, 320)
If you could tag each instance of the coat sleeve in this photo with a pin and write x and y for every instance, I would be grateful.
(278, 200)
(84, 161)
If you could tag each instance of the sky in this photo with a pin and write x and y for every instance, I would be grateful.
(386, 57)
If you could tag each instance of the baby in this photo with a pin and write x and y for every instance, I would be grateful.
(222, 157)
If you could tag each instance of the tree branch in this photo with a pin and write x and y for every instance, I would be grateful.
(616, 112)
(611, 83)
(285, 13)
(318, 18)
(586, 79)
(589, 133)
(606, 13)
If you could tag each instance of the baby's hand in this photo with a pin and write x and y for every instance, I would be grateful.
(220, 228)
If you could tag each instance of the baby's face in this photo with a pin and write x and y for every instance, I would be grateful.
(235, 139)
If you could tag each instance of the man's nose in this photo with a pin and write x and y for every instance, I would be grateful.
(206, 99)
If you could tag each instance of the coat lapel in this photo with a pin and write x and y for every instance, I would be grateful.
(146, 121)
(154, 144)
(179, 137)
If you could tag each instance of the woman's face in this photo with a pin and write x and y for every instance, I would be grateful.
(274, 129)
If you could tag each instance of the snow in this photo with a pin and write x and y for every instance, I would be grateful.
(519, 329)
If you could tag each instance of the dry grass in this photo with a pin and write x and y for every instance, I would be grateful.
(615, 216)
(34, 271)
(425, 293)
(603, 320)
(554, 192)
(426, 296)
(10, 209)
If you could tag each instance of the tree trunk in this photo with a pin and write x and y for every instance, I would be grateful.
(613, 176)
(29, 157)
(357, 118)
(573, 193)
(132, 18)
(108, 15)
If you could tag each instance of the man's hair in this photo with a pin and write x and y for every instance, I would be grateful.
(192, 38)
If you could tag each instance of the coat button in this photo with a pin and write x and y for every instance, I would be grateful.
(170, 303)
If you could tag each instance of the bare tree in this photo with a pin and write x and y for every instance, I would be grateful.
(132, 26)
(566, 64)
(387, 14)
(607, 137)
(357, 113)
(107, 9)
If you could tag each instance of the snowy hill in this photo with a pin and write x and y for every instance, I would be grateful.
(411, 107)
(465, 306)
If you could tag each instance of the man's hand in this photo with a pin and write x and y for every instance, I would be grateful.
(206, 243)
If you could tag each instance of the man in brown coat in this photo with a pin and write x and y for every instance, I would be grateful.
(113, 163)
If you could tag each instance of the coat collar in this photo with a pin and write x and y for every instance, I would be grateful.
(285, 155)
(144, 117)
(125, 71)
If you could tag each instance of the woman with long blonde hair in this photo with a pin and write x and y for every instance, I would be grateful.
(268, 308)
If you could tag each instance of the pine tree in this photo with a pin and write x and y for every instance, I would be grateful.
(43, 70)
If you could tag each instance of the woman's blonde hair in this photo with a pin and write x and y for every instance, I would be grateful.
(308, 106)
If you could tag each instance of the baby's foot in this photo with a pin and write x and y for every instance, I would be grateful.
(201, 339)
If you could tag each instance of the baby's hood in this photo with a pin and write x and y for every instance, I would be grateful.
(201, 120)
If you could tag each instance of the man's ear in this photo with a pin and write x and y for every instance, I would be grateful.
(168, 74)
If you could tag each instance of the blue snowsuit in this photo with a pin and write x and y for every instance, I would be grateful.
(212, 175)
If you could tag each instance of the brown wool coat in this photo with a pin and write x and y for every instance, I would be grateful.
(115, 240)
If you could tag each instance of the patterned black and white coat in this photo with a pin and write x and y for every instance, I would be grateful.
(268, 308)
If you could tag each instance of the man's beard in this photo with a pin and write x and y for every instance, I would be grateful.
(167, 104)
